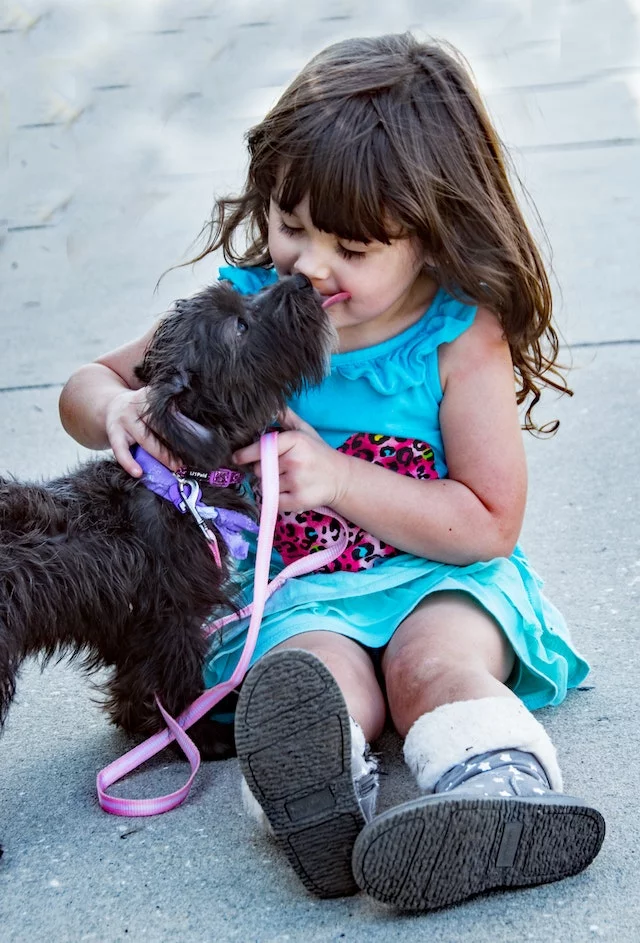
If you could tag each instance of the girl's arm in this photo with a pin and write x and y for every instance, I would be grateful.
(102, 402)
(476, 513)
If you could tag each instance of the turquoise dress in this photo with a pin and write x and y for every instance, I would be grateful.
(394, 388)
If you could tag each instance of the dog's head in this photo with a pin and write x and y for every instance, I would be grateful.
(222, 365)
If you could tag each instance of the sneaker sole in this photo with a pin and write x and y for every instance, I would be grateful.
(293, 739)
(437, 851)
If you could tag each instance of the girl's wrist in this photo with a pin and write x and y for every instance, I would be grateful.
(343, 477)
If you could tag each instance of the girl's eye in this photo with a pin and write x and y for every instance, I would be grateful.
(349, 254)
(288, 230)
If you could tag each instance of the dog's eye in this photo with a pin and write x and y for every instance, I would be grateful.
(241, 326)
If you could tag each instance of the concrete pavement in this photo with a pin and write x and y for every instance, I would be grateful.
(120, 120)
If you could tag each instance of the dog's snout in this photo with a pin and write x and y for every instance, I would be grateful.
(300, 281)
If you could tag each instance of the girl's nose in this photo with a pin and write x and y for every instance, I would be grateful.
(313, 265)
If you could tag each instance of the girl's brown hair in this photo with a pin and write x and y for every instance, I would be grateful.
(389, 136)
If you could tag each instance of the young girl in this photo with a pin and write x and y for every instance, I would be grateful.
(379, 177)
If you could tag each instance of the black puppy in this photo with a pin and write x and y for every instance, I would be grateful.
(96, 565)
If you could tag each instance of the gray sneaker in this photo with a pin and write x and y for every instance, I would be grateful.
(294, 740)
(491, 822)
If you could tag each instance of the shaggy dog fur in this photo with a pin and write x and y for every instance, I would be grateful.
(95, 565)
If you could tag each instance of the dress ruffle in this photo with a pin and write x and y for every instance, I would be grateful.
(404, 361)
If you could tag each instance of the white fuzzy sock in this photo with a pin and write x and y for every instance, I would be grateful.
(362, 762)
(253, 808)
(453, 733)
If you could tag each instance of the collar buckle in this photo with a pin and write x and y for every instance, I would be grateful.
(223, 477)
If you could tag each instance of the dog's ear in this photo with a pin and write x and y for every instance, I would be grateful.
(165, 373)
(183, 437)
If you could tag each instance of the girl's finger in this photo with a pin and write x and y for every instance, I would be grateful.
(158, 451)
(120, 447)
(248, 454)
(287, 502)
(290, 420)
(145, 437)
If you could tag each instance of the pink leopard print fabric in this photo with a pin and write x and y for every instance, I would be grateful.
(297, 535)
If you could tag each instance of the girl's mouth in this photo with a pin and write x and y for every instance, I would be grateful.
(335, 299)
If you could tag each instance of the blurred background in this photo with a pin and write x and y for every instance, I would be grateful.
(119, 121)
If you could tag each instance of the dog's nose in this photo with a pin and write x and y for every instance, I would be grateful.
(300, 281)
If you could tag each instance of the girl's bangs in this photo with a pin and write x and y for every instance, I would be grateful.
(341, 175)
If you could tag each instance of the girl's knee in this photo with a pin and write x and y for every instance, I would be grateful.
(419, 679)
(353, 670)
(342, 656)
(449, 631)
(410, 670)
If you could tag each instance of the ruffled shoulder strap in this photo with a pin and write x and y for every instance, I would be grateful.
(409, 358)
(249, 280)
(447, 319)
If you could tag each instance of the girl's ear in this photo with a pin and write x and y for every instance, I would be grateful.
(429, 262)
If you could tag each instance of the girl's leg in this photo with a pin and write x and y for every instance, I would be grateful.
(493, 816)
(304, 757)
(354, 673)
(449, 649)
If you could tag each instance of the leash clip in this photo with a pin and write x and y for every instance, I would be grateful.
(190, 501)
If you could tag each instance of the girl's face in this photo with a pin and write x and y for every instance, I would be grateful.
(384, 281)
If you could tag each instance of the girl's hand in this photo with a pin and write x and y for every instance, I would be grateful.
(125, 427)
(311, 472)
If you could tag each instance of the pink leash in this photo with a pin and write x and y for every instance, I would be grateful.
(263, 589)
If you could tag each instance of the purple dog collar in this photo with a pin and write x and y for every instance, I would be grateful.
(163, 482)
(219, 477)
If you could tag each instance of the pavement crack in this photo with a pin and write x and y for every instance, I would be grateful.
(29, 227)
(622, 342)
(578, 145)
(30, 386)
(580, 82)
